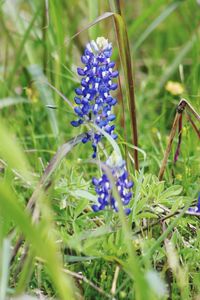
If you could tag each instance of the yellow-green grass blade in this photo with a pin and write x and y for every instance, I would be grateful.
(166, 12)
(39, 239)
(4, 102)
(12, 154)
(4, 267)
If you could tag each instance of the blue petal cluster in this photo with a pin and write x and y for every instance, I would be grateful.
(196, 209)
(104, 190)
(94, 101)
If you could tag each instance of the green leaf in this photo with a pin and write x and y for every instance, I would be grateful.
(147, 215)
(82, 204)
(78, 193)
(172, 191)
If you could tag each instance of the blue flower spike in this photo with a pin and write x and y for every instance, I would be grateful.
(94, 100)
(104, 190)
(94, 103)
(195, 210)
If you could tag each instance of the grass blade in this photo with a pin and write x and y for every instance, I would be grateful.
(45, 93)
(21, 47)
(12, 153)
(12, 101)
(93, 8)
(36, 236)
(125, 57)
(4, 272)
(178, 59)
(170, 9)
(26, 273)
(34, 70)
(144, 16)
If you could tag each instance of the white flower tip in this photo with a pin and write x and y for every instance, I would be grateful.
(102, 43)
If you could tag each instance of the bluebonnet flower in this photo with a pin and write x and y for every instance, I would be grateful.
(94, 100)
(196, 209)
(104, 190)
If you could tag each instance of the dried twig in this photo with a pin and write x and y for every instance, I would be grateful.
(169, 146)
(193, 124)
(114, 283)
(83, 278)
(183, 104)
(161, 220)
(169, 274)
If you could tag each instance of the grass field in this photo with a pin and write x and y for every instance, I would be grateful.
(52, 244)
